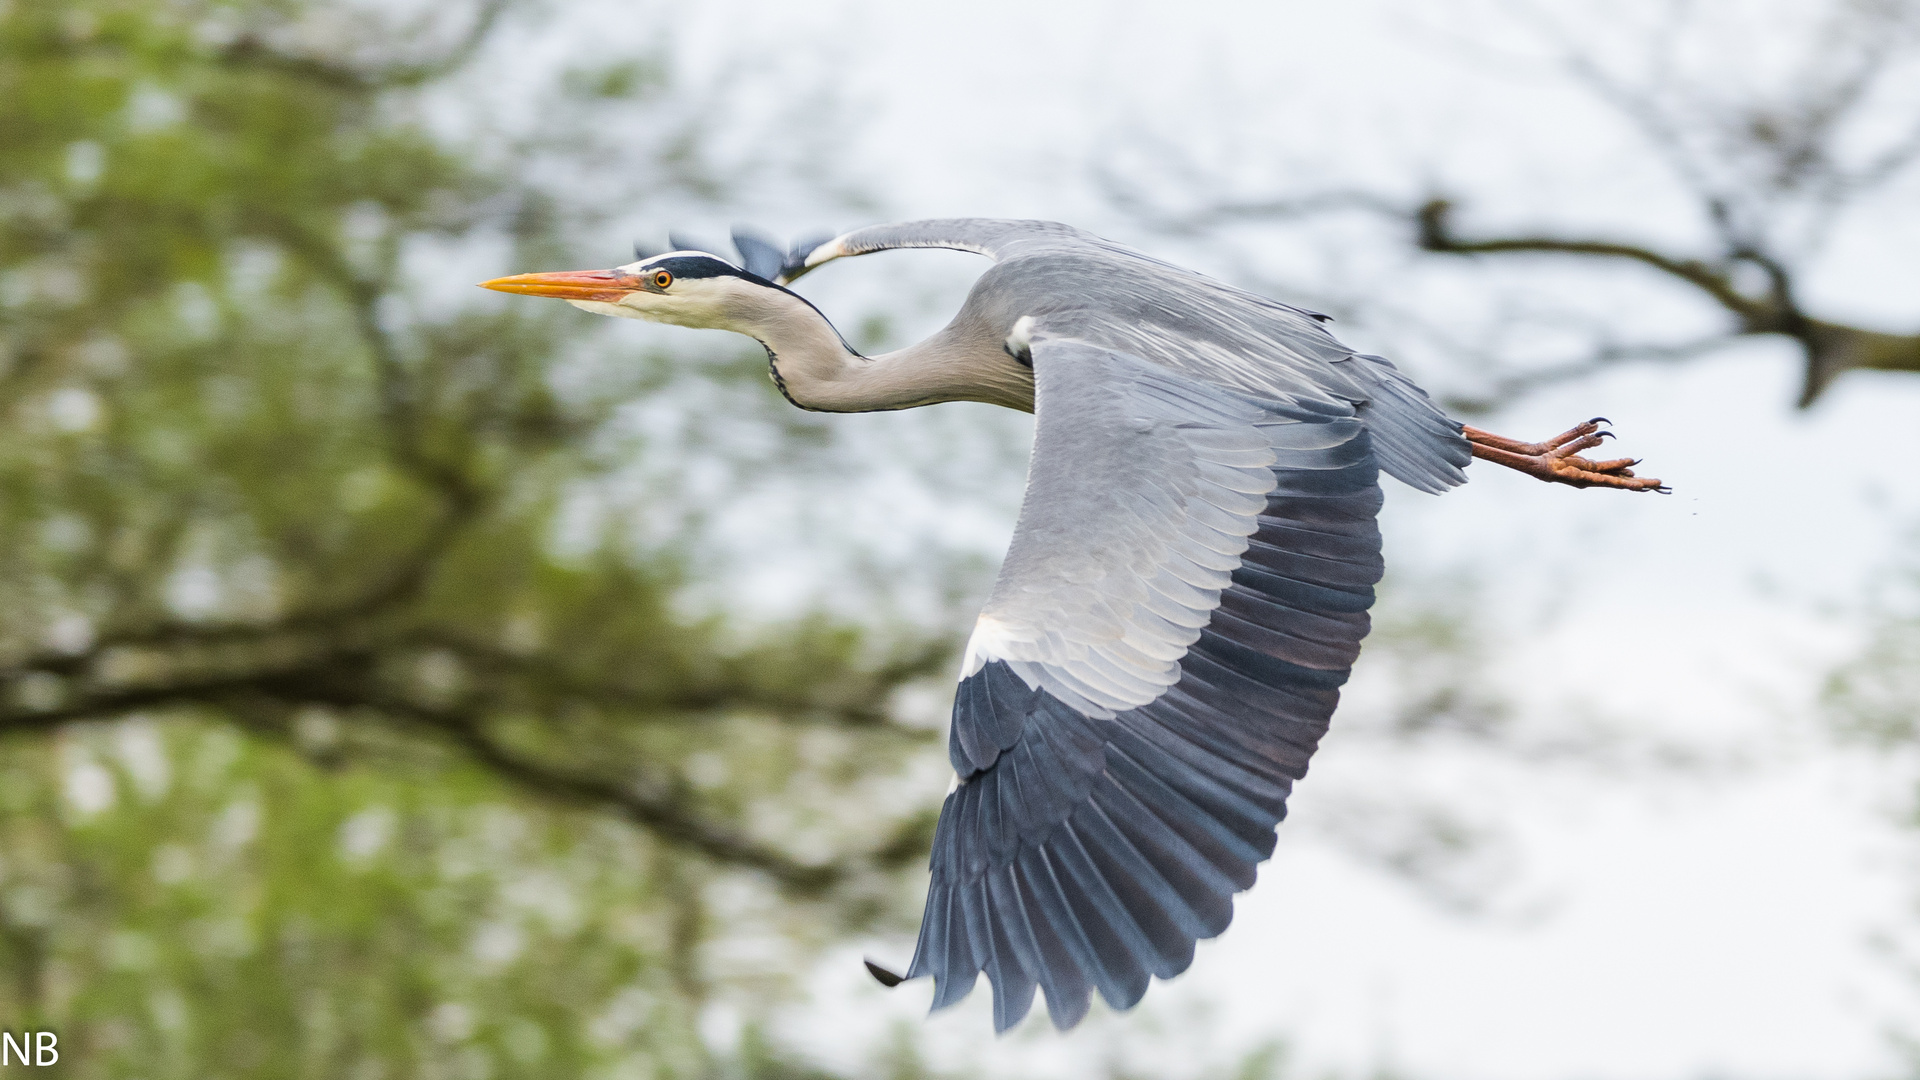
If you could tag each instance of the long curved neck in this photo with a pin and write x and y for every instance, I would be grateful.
(816, 370)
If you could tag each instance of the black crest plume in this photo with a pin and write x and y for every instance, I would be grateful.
(760, 255)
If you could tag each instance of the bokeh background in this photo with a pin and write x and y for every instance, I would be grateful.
(399, 680)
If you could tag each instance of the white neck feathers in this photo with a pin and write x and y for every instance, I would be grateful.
(812, 364)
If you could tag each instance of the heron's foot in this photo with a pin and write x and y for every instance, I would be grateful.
(1558, 459)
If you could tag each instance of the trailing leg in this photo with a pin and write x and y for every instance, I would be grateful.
(1557, 460)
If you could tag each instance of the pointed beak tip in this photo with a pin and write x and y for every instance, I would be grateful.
(602, 285)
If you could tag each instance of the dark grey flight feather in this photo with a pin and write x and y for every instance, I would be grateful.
(1087, 850)
(762, 256)
(758, 255)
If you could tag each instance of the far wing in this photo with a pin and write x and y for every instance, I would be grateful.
(1183, 597)
(996, 238)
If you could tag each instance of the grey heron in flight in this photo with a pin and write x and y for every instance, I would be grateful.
(1184, 595)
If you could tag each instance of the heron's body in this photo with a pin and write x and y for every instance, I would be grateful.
(1185, 592)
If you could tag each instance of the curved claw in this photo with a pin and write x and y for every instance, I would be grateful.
(1557, 459)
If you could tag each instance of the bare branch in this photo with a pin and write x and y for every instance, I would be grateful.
(691, 700)
(112, 704)
(345, 680)
(1833, 348)
(1436, 235)
(1213, 215)
(1762, 168)
(1829, 348)
(250, 51)
(1508, 387)
(655, 806)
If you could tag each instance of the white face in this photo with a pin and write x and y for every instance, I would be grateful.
(694, 296)
(686, 288)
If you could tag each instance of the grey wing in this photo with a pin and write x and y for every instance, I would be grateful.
(1183, 598)
(996, 238)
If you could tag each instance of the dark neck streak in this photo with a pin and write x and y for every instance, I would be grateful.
(780, 384)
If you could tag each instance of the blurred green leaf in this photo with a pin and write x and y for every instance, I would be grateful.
(428, 771)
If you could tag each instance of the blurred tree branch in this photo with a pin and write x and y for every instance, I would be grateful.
(288, 669)
(1827, 348)
(289, 491)
(1768, 174)
(252, 51)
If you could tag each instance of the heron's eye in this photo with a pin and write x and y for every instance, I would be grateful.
(662, 279)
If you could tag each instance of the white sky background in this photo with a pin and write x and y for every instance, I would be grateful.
(1658, 920)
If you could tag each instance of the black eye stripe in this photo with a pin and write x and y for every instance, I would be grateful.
(695, 266)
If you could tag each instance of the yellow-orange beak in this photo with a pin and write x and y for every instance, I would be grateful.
(603, 285)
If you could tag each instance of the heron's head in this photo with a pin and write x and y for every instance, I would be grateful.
(686, 288)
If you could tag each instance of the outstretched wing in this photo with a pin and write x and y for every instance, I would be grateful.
(1185, 592)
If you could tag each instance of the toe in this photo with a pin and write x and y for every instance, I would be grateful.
(1617, 465)
(1584, 442)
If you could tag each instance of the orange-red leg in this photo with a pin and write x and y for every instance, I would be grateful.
(1557, 460)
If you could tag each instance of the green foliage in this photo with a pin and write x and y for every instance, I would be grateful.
(1876, 696)
(323, 536)
(186, 902)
